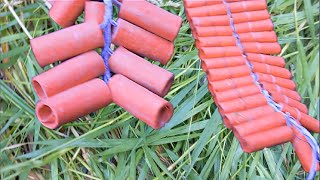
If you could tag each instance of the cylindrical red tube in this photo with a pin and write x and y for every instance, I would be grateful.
(269, 138)
(70, 73)
(237, 93)
(73, 103)
(271, 60)
(231, 83)
(303, 150)
(193, 3)
(250, 16)
(307, 121)
(66, 43)
(223, 62)
(216, 41)
(275, 88)
(272, 70)
(247, 6)
(268, 36)
(235, 118)
(65, 13)
(228, 72)
(140, 102)
(222, 20)
(142, 42)
(261, 124)
(216, 52)
(94, 12)
(285, 83)
(212, 31)
(220, 9)
(279, 98)
(263, 48)
(254, 26)
(151, 18)
(139, 70)
(199, 3)
(243, 103)
(210, 10)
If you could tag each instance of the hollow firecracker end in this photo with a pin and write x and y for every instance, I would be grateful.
(264, 139)
(94, 12)
(73, 103)
(66, 43)
(70, 73)
(303, 150)
(141, 71)
(151, 18)
(65, 13)
(140, 102)
(142, 42)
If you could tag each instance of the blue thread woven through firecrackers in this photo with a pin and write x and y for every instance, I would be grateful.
(291, 122)
(106, 26)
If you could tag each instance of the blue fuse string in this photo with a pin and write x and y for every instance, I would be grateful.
(107, 33)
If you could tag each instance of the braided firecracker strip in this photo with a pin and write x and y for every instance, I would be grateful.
(236, 42)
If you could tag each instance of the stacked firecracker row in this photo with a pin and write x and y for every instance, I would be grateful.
(237, 74)
(72, 89)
